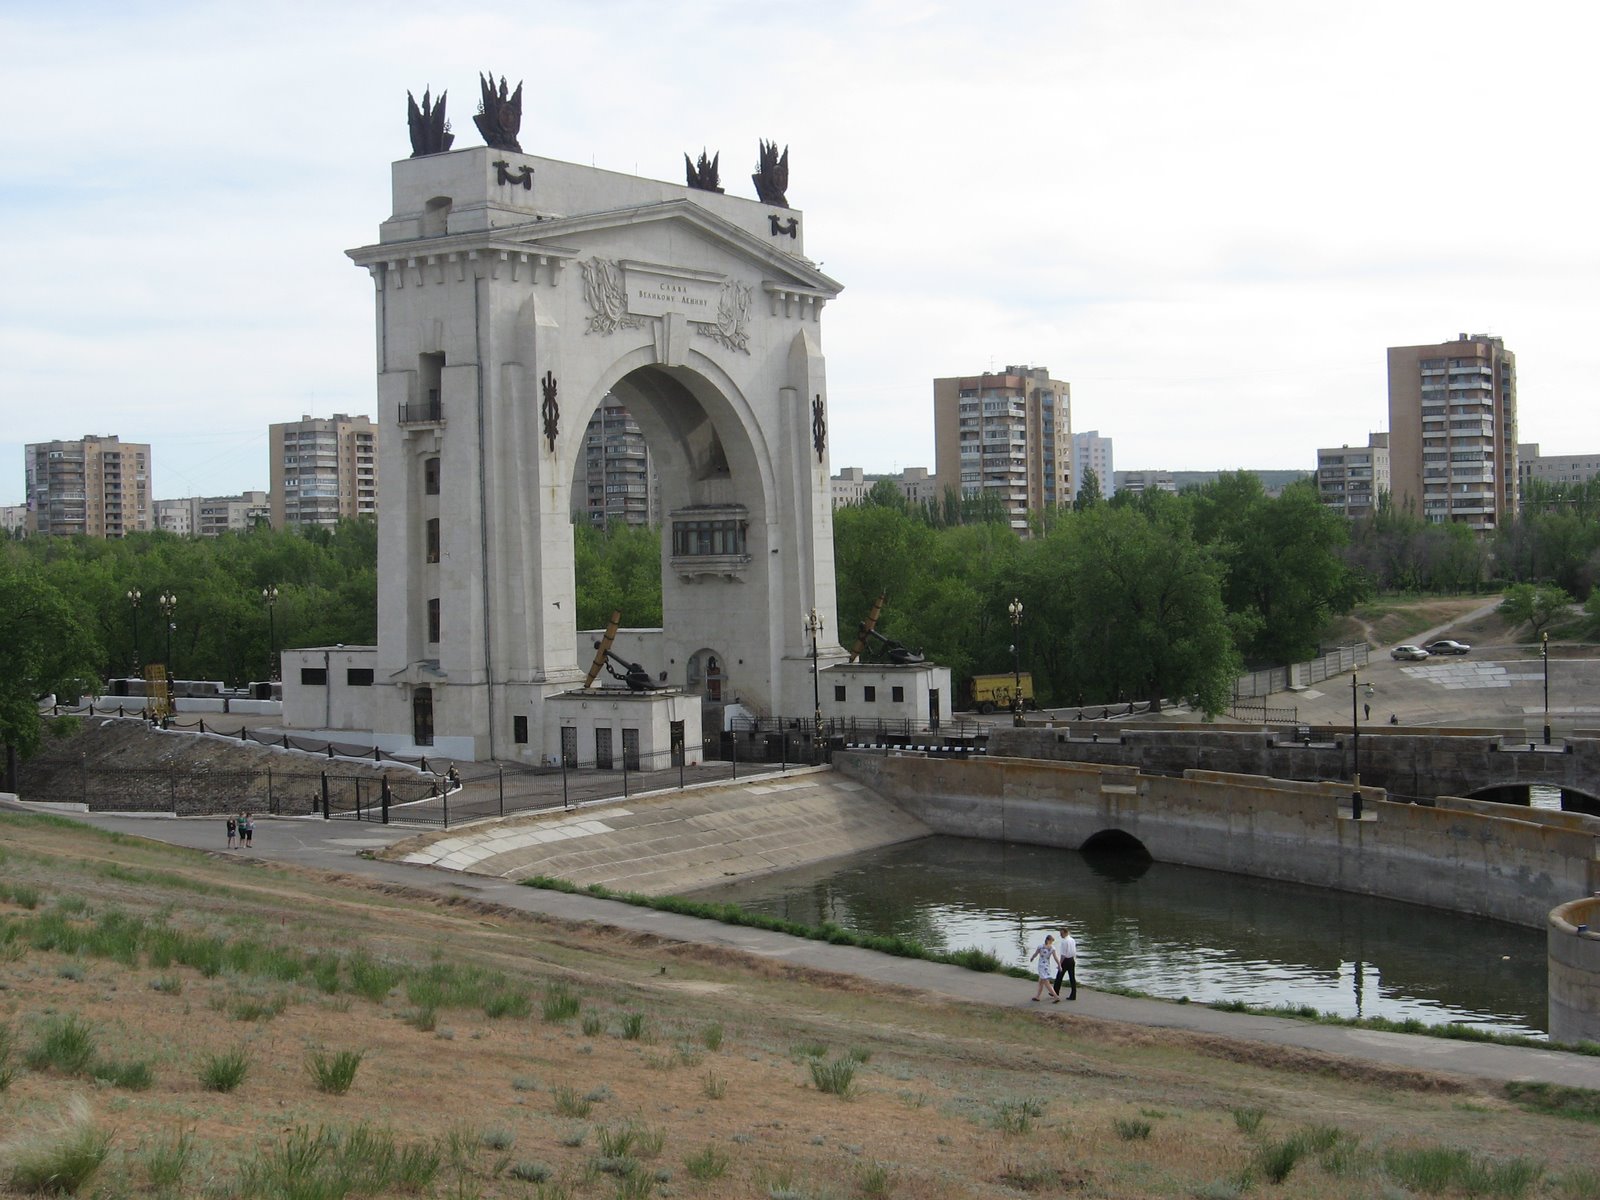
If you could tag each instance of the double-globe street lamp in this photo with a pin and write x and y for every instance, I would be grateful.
(1544, 652)
(134, 597)
(167, 602)
(270, 595)
(1355, 725)
(1015, 609)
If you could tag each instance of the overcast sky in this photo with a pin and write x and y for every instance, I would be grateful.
(1211, 218)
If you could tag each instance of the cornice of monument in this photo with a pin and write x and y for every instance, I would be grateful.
(537, 236)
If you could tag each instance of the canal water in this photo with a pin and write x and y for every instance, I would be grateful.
(1177, 932)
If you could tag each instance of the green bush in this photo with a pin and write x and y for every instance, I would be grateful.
(61, 1165)
(836, 1078)
(706, 1164)
(224, 1072)
(65, 1044)
(560, 1004)
(334, 1073)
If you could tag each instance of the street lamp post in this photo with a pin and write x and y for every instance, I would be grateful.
(1544, 652)
(1015, 609)
(270, 595)
(134, 597)
(1355, 725)
(167, 602)
(814, 627)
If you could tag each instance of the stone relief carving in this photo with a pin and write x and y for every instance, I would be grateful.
(819, 426)
(604, 293)
(733, 316)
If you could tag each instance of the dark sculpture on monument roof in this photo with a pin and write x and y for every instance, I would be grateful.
(430, 132)
(499, 116)
(772, 175)
(702, 175)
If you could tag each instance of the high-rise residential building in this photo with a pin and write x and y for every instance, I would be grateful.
(208, 516)
(615, 479)
(1007, 435)
(99, 486)
(1091, 452)
(1453, 430)
(1554, 468)
(1350, 479)
(323, 470)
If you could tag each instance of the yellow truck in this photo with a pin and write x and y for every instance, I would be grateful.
(991, 692)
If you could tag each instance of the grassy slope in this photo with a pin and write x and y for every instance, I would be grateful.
(942, 1105)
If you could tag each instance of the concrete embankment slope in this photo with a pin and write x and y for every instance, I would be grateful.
(680, 840)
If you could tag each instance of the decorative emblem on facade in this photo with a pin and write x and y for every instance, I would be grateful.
(499, 116)
(524, 177)
(772, 175)
(430, 132)
(732, 327)
(702, 175)
(791, 226)
(604, 292)
(819, 426)
(551, 410)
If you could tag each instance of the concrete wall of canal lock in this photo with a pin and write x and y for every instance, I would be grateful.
(1474, 857)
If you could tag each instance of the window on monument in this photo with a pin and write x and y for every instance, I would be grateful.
(430, 476)
(870, 695)
(838, 692)
(314, 676)
(433, 540)
(519, 730)
(898, 695)
(358, 677)
(433, 619)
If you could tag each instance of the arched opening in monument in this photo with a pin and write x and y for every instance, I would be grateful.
(667, 448)
(1116, 855)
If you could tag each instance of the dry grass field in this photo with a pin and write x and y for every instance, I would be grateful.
(175, 1023)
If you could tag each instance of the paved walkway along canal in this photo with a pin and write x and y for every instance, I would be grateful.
(335, 846)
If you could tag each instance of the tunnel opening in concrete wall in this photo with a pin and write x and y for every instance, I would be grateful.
(1116, 855)
(1505, 793)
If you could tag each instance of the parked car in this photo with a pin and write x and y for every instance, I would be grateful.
(1446, 646)
(1413, 653)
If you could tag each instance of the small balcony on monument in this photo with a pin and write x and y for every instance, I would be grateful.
(429, 411)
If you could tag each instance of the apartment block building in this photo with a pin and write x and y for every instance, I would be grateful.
(97, 486)
(1554, 468)
(1091, 452)
(208, 516)
(1453, 430)
(615, 479)
(323, 470)
(1350, 479)
(916, 484)
(14, 520)
(1007, 435)
(1144, 481)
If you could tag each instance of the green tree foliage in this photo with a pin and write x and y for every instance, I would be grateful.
(1534, 605)
(617, 569)
(1284, 571)
(1088, 491)
(326, 581)
(48, 649)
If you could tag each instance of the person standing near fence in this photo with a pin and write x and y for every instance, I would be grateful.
(233, 830)
(247, 830)
(1067, 956)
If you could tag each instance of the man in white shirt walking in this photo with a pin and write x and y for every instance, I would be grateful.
(1067, 953)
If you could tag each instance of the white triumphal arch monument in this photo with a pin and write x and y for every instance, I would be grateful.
(513, 293)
